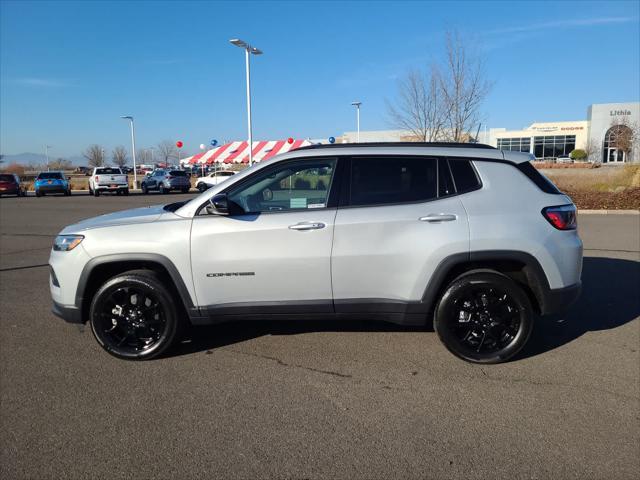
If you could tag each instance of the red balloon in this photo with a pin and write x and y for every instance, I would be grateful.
(289, 140)
(179, 144)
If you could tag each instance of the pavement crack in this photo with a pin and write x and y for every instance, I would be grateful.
(293, 365)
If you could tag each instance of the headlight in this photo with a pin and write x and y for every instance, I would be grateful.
(64, 243)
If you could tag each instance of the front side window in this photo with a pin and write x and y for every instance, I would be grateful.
(292, 186)
(387, 180)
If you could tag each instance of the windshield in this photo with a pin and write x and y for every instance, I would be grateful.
(49, 175)
(108, 171)
(178, 173)
(6, 178)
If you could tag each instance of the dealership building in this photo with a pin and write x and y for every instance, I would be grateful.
(550, 140)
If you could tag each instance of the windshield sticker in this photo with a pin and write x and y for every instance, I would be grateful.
(298, 203)
(315, 205)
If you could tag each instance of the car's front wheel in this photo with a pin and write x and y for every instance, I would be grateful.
(133, 316)
(484, 317)
(202, 187)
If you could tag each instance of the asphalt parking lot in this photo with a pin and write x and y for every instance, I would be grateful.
(316, 399)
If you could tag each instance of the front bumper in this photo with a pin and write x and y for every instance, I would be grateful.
(67, 313)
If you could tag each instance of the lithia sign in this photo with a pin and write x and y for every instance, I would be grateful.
(615, 113)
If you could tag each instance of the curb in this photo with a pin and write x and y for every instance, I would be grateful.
(609, 212)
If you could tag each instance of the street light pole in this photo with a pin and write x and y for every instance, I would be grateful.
(133, 150)
(46, 154)
(249, 50)
(357, 105)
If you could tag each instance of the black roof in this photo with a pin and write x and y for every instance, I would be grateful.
(400, 144)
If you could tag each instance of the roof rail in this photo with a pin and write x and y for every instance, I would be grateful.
(400, 144)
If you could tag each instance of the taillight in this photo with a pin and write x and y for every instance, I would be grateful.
(562, 217)
(97, 178)
(169, 177)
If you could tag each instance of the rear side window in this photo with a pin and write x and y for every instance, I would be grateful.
(464, 175)
(539, 179)
(108, 171)
(385, 180)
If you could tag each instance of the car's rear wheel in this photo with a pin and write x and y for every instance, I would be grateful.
(185, 190)
(163, 190)
(126, 191)
(96, 193)
(144, 188)
(38, 193)
(202, 187)
(133, 316)
(484, 317)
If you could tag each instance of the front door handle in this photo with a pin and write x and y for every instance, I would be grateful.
(438, 217)
(307, 226)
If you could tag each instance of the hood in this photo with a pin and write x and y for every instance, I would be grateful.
(125, 217)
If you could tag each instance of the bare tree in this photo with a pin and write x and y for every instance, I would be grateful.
(419, 109)
(119, 156)
(463, 87)
(623, 135)
(94, 155)
(444, 102)
(166, 151)
(143, 156)
(60, 164)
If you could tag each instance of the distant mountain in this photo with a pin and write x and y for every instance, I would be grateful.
(37, 159)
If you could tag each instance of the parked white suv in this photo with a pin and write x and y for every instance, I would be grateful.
(468, 235)
(108, 179)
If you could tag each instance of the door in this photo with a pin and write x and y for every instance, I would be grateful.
(272, 253)
(402, 219)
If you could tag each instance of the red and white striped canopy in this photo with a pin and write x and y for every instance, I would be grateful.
(238, 152)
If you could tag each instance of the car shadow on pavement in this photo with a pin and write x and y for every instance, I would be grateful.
(609, 299)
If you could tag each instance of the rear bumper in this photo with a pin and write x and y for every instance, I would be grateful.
(68, 314)
(111, 188)
(559, 300)
(52, 188)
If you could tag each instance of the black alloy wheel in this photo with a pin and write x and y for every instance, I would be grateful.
(144, 188)
(133, 316)
(484, 317)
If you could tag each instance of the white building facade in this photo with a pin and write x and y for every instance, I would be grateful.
(551, 140)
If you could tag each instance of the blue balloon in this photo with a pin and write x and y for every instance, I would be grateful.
(214, 143)
(332, 139)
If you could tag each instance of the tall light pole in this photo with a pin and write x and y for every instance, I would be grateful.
(133, 150)
(357, 105)
(248, 51)
(46, 154)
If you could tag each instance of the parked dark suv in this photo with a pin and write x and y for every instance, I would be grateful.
(166, 180)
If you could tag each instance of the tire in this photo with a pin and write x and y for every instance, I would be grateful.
(484, 317)
(202, 187)
(38, 193)
(145, 191)
(67, 193)
(96, 193)
(185, 190)
(163, 190)
(126, 192)
(124, 329)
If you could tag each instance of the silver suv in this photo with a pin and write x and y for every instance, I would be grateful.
(469, 236)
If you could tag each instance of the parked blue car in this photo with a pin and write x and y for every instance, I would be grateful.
(51, 182)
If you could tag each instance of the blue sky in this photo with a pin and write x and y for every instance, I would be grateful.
(68, 70)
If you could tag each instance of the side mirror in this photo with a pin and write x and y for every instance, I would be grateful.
(218, 205)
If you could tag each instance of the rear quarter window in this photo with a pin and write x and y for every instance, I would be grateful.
(464, 175)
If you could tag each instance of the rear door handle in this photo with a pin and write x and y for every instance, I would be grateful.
(438, 217)
(307, 226)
